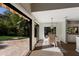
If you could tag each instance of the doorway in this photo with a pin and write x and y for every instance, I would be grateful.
(48, 29)
(36, 30)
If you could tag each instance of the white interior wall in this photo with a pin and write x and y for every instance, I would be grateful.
(58, 16)
(45, 16)
(41, 29)
(64, 31)
(33, 38)
(60, 30)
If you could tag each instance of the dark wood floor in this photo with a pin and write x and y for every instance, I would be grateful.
(67, 49)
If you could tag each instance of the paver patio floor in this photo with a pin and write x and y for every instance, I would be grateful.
(14, 47)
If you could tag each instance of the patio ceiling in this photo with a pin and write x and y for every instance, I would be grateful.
(51, 6)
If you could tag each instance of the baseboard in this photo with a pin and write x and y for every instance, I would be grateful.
(71, 42)
(68, 42)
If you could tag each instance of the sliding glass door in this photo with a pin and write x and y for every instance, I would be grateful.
(14, 33)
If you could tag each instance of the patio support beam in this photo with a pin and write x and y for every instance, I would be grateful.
(15, 9)
(30, 35)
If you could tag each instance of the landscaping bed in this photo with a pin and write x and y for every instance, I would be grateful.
(4, 38)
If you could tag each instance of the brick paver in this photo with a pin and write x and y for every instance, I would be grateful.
(14, 47)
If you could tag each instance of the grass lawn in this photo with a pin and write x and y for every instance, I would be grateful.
(3, 38)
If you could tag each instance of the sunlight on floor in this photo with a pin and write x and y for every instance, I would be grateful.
(46, 42)
(55, 49)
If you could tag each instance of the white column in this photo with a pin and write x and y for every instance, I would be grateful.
(77, 44)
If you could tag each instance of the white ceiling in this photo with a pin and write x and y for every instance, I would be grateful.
(57, 15)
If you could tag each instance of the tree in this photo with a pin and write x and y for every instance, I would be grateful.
(12, 24)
